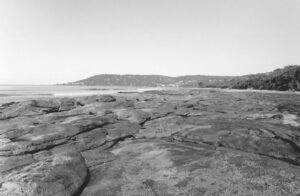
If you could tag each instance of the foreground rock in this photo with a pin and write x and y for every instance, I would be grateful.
(43, 174)
(184, 142)
(168, 168)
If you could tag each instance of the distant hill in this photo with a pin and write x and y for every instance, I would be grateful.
(126, 80)
(284, 79)
(287, 78)
(153, 80)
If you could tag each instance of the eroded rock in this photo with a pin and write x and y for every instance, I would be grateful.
(174, 142)
(162, 168)
(58, 174)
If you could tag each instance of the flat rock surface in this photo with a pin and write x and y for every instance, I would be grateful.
(156, 143)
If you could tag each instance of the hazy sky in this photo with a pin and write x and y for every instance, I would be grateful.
(54, 41)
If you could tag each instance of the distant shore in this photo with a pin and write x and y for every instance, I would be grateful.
(9, 95)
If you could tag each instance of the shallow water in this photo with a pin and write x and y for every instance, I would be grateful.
(10, 93)
(24, 92)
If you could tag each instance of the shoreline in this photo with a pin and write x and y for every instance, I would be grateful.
(105, 91)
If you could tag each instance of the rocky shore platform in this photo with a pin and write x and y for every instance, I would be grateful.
(154, 143)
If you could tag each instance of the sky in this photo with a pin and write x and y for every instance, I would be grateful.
(57, 41)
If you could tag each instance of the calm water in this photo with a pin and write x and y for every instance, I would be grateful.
(10, 93)
(25, 92)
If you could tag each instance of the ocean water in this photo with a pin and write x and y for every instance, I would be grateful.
(10, 93)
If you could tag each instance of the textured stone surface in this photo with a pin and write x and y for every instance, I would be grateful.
(172, 142)
(58, 174)
(167, 168)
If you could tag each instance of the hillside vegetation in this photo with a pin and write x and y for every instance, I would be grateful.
(284, 79)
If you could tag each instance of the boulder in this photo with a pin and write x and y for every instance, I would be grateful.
(55, 175)
(67, 104)
(98, 98)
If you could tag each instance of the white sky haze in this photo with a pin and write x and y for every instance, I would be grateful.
(55, 41)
